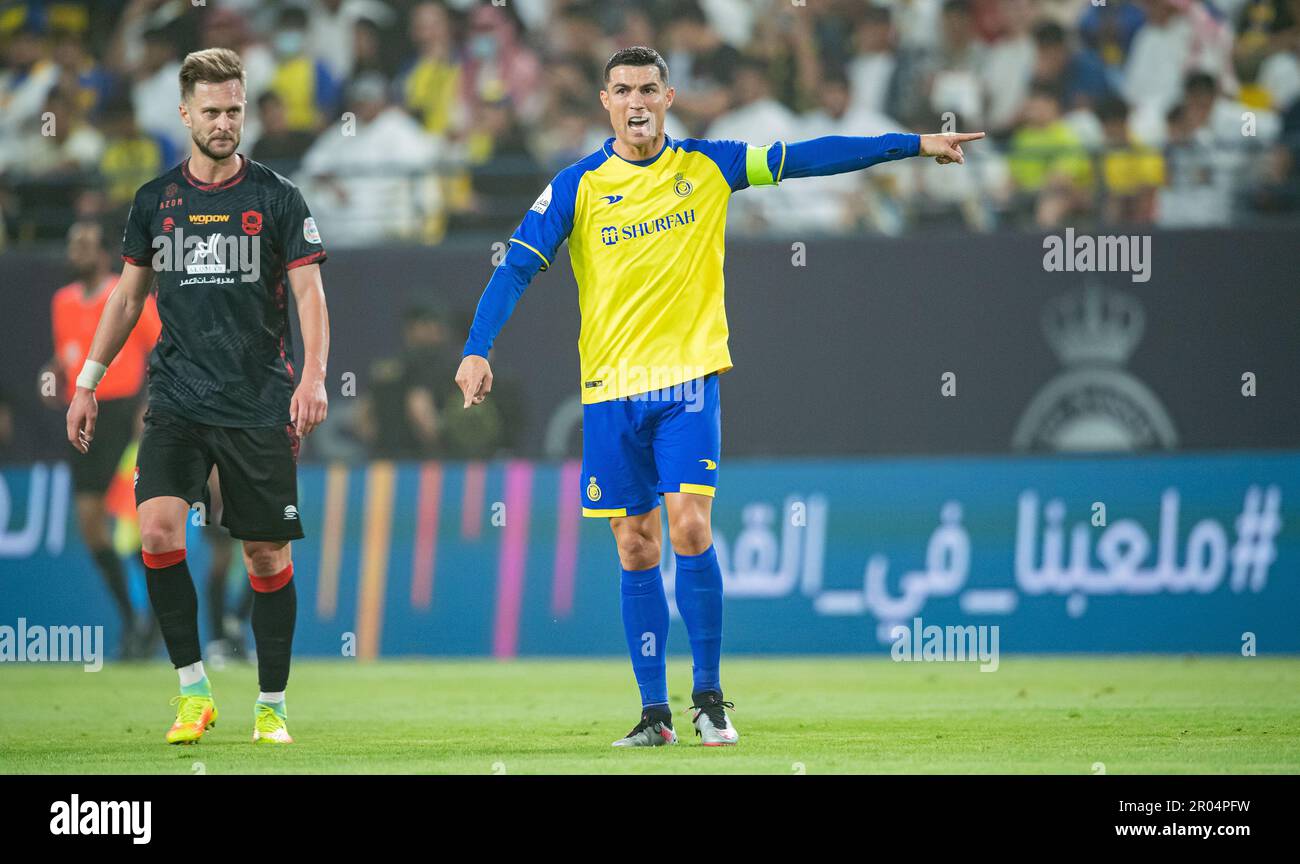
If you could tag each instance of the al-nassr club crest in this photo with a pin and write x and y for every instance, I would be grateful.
(1095, 404)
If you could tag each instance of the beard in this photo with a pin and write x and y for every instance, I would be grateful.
(207, 151)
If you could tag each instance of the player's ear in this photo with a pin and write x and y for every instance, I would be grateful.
(669, 96)
(604, 99)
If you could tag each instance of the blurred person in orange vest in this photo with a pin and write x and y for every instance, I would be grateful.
(75, 313)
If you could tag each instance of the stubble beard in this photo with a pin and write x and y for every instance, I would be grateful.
(207, 151)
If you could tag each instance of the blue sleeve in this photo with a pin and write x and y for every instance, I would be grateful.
(548, 223)
(499, 298)
(545, 226)
(837, 154)
(746, 165)
(729, 156)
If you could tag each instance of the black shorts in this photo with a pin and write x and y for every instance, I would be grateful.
(92, 473)
(258, 470)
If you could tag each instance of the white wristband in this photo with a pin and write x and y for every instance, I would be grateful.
(91, 374)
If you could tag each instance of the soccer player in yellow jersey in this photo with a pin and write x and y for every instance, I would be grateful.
(645, 218)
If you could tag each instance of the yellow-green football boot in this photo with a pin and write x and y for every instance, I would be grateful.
(195, 715)
(269, 724)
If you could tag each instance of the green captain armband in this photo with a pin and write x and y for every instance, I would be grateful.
(756, 168)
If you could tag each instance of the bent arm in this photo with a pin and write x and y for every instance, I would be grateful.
(507, 285)
(121, 312)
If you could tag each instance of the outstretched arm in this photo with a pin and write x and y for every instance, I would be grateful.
(839, 154)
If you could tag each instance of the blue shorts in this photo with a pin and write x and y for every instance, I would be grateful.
(636, 448)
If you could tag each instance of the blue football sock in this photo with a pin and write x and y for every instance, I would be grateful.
(699, 600)
(645, 623)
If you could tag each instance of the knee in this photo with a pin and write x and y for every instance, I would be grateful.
(265, 559)
(637, 551)
(159, 535)
(690, 532)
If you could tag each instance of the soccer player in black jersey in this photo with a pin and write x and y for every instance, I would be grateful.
(223, 235)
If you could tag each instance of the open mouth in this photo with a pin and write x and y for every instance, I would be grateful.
(638, 122)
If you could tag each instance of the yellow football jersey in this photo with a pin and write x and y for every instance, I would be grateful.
(646, 241)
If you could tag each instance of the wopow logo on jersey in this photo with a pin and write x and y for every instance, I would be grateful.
(291, 513)
(217, 253)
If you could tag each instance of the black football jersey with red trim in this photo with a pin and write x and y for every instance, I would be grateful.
(222, 254)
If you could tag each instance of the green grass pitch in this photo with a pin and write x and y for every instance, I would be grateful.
(796, 715)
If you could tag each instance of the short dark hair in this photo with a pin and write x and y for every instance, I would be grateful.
(1049, 33)
(1112, 108)
(834, 74)
(293, 18)
(638, 55)
(688, 11)
(1199, 80)
(211, 66)
(875, 14)
(109, 229)
(1047, 90)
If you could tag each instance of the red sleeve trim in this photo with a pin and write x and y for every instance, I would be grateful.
(139, 262)
(309, 259)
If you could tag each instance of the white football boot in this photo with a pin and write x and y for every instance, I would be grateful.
(711, 722)
(654, 730)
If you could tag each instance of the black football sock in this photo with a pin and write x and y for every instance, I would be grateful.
(275, 608)
(176, 605)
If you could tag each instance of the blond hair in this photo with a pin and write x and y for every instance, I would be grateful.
(212, 66)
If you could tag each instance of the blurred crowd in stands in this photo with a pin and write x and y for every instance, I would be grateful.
(420, 120)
